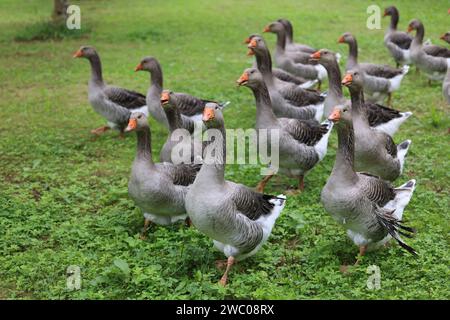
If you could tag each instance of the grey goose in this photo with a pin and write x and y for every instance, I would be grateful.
(380, 117)
(375, 151)
(113, 103)
(379, 80)
(238, 219)
(189, 106)
(158, 189)
(302, 143)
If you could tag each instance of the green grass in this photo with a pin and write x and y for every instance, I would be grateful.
(63, 194)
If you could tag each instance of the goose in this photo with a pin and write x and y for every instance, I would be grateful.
(284, 75)
(380, 117)
(287, 99)
(379, 80)
(238, 219)
(178, 139)
(375, 151)
(296, 63)
(369, 208)
(397, 42)
(446, 82)
(302, 143)
(113, 103)
(190, 107)
(432, 60)
(290, 45)
(158, 189)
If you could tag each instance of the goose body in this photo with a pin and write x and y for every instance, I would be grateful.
(302, 143)
(158, 189)
(294, 62)
(379, 117)
(112, 103)
(431, 60)
(288, 100)
(379, 80)
(369, 208)
(397, 42)
(238, 219)
(375, 151)
(190, 107)
(181, 145)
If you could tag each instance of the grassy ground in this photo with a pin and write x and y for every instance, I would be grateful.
(63, 194)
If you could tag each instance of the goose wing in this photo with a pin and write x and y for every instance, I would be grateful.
(126, 98)
(401, 39)
(301, 97)
(378, 114)
(437, 51)
(250, 203)
(181, 174)
(308, 132)
(382, 71)
(190, 105)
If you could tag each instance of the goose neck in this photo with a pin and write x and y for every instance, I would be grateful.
(144, 148)
(214, 158)
(96, 69)
(352, 54)
(343, 168)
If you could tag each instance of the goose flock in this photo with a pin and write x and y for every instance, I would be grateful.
(359, 193)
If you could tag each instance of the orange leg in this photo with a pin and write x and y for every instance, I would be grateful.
(100, 130)
(147, 224)
(362, 252)
(301, 183)
(223, 281)
(262, 184)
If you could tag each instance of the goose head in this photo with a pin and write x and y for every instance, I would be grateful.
(390, 11)
(251, 78)
(274, 27)
(85, 52)
(346, 38)
(249, 38)
(323, 56)
(149, 64)
(414, 25)
(446, 37)
(353, 79)
(168, 99)
(340, 115)
(256, 44)
(137, 122)
(212, 116)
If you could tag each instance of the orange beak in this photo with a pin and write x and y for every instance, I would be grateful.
(409, 29)
(266, 29)
(252, 44)
(243, 79)
(78, 54)
(247, 40)
(315, 55)
(347, 79)
(250, 52)
(385, 13)
(138, 67)
(165, 97)
(335, 116)
(132, 124)
(341, 39)
(208, 114)
(442, 37)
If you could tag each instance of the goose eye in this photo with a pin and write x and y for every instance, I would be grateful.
(139, 116)
(345, 110)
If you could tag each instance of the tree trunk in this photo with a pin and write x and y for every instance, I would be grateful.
(59, 14)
